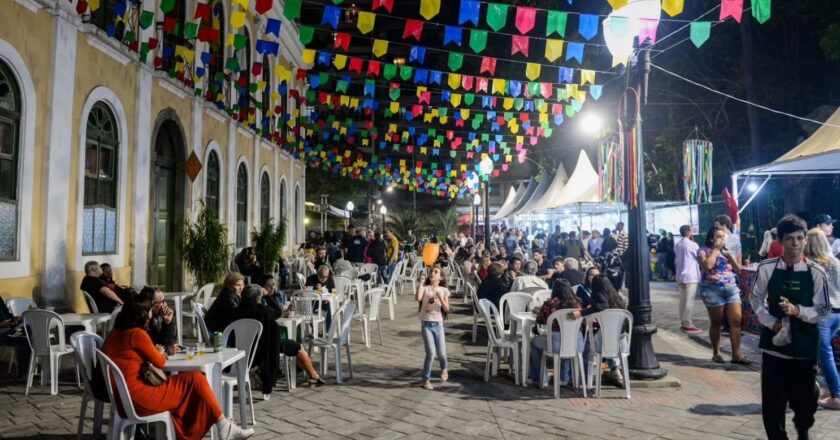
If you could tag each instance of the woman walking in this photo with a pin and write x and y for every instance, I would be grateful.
(434, 303)
(818, 250)
(720, 293)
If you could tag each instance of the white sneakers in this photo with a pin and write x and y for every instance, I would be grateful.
(232, 431)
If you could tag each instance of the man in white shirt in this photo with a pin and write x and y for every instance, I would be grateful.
(789, 294)
(529, 281)
(826, 224)
(688, 276)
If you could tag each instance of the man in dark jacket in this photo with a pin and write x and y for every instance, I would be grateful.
(493, 287)
(220, 313)
(572, 272)
(162, 325)
(377, 251)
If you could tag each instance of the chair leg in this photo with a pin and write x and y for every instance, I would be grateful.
(625, 365)
(31, 373)
(82, 412)
(98, 410)
(391, 307)
(475, 327)
(579, 360)
(54, 374)
(366, 331)
(251, 402)
(379, 326)
(598, 375)
(349, 361)
(337, 350)
(557, 364)
(487, 364)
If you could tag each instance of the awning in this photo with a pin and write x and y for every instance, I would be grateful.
(535, 197)
(582, 186)
(553, 191)
(821, 163)
(510, 200)
(520, 194)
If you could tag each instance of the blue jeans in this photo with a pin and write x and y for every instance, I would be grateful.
(828, 328)
(383, 274)
(662, 265)
(535, 359)
(611, 362)
(435, 343)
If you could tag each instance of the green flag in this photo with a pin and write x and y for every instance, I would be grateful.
(700, 31)
(341, 86)
(306, 33)
(394, 94)
(761, 10)
(518, 103)
(456, 59)
(533, 88)
(389, 71)
(146, 19)
(291, 9)
(556, 23)
(496, 15)
(406, 72)
(239, 41)
(167, 5)
(469, 98)
(190, 30)
(232, 65)
(323, 78)
(478, 40)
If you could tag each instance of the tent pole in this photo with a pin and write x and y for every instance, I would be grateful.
(755, 193)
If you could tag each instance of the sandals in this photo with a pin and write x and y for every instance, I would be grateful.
(741, 360)
(315, 383)
(718, 359)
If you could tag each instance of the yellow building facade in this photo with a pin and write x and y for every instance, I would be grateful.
(95, 148)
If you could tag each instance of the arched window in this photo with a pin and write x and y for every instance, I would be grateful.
(99, 228)
(282, 200)
(296, 221)
(267, 109)
(265, 199)
(211, 196)
(10, 113)
(243, 58)
(241, 206)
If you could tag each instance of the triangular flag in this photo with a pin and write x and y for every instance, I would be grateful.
(496, 15)
(469, 12)
(616, 4)
(308, 55)
(331, 16)
(525, 19)
(452, 34)
(587, 76)
(365, 21)
(731, 8)
(146, 19)
(553, 49)
(380, 47)
(478, 40)
(574, 51)
(532, 71)
(673, 7)
(588, 26)
(306, 34)
(429, 8)
(237, 19)
(488, 64)
(166, 5)
(595, 91)
(341, 40)
(388, 4)
(291, 9)
(413, 28)
(340, 61)
(272, 26)
(519, 43)
(556, 23)
(263, 6)
(700, 31)
(564, 75)
(390, 71)
(456, 59)
(647, 30)
(761, 10)
(417, 54)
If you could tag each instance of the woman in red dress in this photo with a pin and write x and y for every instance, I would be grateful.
(187, 396)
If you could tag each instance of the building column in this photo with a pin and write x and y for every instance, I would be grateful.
(198, 149)
(142, 176)
(59, 151)
(231, 181)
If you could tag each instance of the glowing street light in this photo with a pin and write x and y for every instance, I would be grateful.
(485, 167)
(751, 187)
(591, 123)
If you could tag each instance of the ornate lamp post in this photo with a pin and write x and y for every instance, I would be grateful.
(476, 203)
(485, 167)
(383, 210)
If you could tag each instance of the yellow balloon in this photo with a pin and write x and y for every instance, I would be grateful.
(430, 253)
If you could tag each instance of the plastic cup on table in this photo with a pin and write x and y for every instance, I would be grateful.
(199, 349)
(190, 353)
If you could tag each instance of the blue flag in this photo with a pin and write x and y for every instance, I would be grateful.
(417, 53)
(469, 12)
(435, 77)
(272, 26)
(452, 34)
(588, 26)
(331, 16)
(565, 75)
(574, 51)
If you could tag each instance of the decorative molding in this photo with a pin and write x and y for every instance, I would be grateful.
(245, 131)
(267, 145)
(32, 5)
(175, 89)
(106, 45)
(215, 113)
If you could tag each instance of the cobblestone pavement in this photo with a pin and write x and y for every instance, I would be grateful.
(380, 401)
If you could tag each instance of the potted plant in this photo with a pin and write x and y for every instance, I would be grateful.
(205, 245)
(268, 244)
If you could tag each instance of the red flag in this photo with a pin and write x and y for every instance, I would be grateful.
(355, 65)
(519, 43)
(202, 11)
(169, 24)
(731, 205)
(525, 19)
(731, 8)
(546, 90)
(413, 28)
(81, 7)
(481, 84)
(425, 97)
(373, 67)
(342, 40)
(256, 69)
(300, 74)
(488, 64)
(388, 4)
(263, 6)
(467, 82)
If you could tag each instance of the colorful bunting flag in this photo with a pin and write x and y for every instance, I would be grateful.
(700, 31)
(478, 40)
(673, 7)
(532, 71)
(647, 30)
(556, 23)
(731, 8)
(342, 40)
(417, 54)
(574, 51)
(146, 19)
(488, 64)
(237, 19)
(519, 43)
(291, 9)
(588, 26)
(553, 49)
(306, 34)
(166, 5)
(272, 26)
(263, 6)
(469, 12)
(452, 34)
(761, 10)
(429, 8)
(387, 4)
(496, 15)
(413, 28)
(564, 75)
(365, 22)
(456, 59)
(380, 47)
(331, 16)
(616, 4)
(525, 19)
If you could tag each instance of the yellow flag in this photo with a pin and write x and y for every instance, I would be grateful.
(429, 8)
(93, 5)
(237, 19)
(354, 103)
(673, 7)
(587, 76)
(571, 89)
(243, 3)
(520, 139)
(543, 117)
(553, 49)
(532, 71)
(444, 120)
(617, 3)
(507, 103)
(260, 86)
(427, 117)
(454, 81)
(308, 56)
(499, 86)
(508, 157)
(465, 114)
(380, 47)
(455, 99)
(392, 128)
(463, 167)
(365, 21)
(340, 61)
(421, 90)
(395, 107)
(620, 60)
(229, 40)
(342, 130)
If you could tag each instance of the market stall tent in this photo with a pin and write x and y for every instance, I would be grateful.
(510, 200)
(536, 196)
(582, 186)
(506, 208)
(553, 191)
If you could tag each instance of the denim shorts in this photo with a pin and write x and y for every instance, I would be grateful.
(716, 295)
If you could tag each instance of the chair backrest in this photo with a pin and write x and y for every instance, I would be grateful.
(114, 377)
(247, 334)
(352, 274)
(372, 299)
(612, 324)
(569, 333)
(90, 302)
(110, 324)
(205, 294)
(84, 343)
(305, 304)
(19, 305)
(300, 279)
(540, 297)
(368, 268)
(342, 286)
(200, 311)
(37, 325)
(514, 302)
(346, 316)
(415, 271)
(490, 313)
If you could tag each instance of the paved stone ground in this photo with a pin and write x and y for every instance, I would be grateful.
(714, 401)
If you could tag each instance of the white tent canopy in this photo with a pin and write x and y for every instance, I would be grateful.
(506, 208)
(582, 186)
(536, 196)
(510, 200)
(529, 191)
(554, 191)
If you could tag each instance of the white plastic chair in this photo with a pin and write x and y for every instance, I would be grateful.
(342, 287)
(300, 279)
(514, 302)
(113, 376)
(246, 335)
(335, 340)
(373, 270)
(477, 316)
(90, 302)
(390, 295)
(203, 296)
(412, 277)
(570, 348)
(370, 313)
(37, 324)
(200, 311)
(540, 297)
(110, 324)
(497, 342)
(612, 324)
(305, 304)
(19, 305)
(84, 344)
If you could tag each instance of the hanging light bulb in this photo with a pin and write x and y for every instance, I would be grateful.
(351, 13)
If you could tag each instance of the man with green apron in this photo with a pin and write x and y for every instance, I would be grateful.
(789, 287)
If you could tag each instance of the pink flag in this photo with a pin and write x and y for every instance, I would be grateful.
(467, 82)
(481, 84)
(488, 64)
(647, 29)
(525, 19)
(731, 8)
(519, 43)
(546, 90)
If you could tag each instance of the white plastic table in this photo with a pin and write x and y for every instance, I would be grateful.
(291, 325)
(178, 299)
(87, 320)
(523, 320)
(212, 364)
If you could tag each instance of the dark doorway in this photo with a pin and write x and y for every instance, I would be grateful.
(167, 208)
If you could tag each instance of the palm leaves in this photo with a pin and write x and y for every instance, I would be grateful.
(438, 223)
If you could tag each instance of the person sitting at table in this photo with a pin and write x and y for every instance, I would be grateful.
(572, 272)
(341, 265)
(220, 313)
(482, 268)
(104, 298)
(494, 286)
(562, 297)
(323, 282)
(187, 396)
(584, 289)
(11, 335)
(270, 344)
(161, 325)
(529, 281)
(124, 292)
(274, 299)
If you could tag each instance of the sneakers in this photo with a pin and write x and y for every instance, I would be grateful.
(232, 431)
(427, 385)
(830, 403)
(444, 376)
(690, 330)
(266, 397)
(614, 377)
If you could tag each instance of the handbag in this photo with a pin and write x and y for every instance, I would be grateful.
(152, 375)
